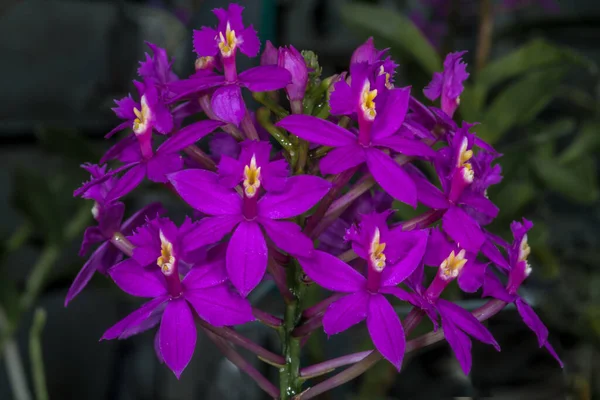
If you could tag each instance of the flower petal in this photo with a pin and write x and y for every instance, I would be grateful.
(492, 287)
(250, 44)
(187, 87)
(317, 130)
(205, 42)
(177, 338)
(391, 177)
(460, 343)
(161, 165)
(91, 236)
(246, 257)
(408, 248)
(201, 190)
(533, 321)
(301, 194)
(137, 320)
(205, 276)
(138, 281)
(287, 236)
(228, 104)
(463, 229)
(342, 101)
(346, 312)
(408, 147)
(220, 306)
(126, 183)
(470, 278)
(265, 78)
(209, 230)
(150, 211)
(342, 158)
(386, 330)
(332, 273)
(188, 136)
(389, 119)
(466, 322)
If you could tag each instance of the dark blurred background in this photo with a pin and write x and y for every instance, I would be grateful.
(64, 61)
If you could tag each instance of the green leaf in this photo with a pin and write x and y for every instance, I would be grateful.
(67, 143)
(393, 29)
(513, 197)
(39, 203)
(536, 54)
(576, 181)
(520, 103)
(586, 142)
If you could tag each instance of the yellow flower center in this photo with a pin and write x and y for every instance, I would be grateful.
(524, 251)
(388, 84)
(228, 42)
(367, 101)
(376, 253)
(452, 265)
(251, 178)
(166, 261)
(140, 124)
(203, 62)
(463, 157)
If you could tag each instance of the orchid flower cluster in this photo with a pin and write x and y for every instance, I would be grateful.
(299, 196)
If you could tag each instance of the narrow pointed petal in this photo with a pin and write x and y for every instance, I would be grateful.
(346, 312)
(332, 273)
(188, 136)
(188, 87)
(391, 177)
(138, 281)
(317, 130)
(228, 104)
(118, 128)
(494, 255)
(480, 203)
(220, 306)
(463, 229)
(388, 121)
(205, 276)
(201, 190)
(246, 257)
(151, 211)
(265, 78)
(91, 236)
(209, 230)
(438, 248)
(301, 194)
(429, 194)
(205, 43)
(288, 237)
(126, 183)
(386, 330)
(177, 336)
(408, 147)
(459, 343)
(399, 293)
(342, 158)
(409, 257)
(492, 287)
(136, 320)
(161, 165)
(552, 352)
(533, 321)
(466, 322)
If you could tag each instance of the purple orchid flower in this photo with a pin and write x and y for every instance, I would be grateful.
(109, 217)
(270, 55)
(204, 289)
(157, 69)
(457, 322)
(391, 255)
(245, 214)
(227, 102)
(376, 129)
(154, 165)
(457, 177)
(448, 84)
(383, 70)
(518, 269)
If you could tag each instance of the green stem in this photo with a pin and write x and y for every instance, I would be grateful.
(263, 115)
(36, 356)
(38, 275)
(484, 36)
(268, 102)
(12, 358)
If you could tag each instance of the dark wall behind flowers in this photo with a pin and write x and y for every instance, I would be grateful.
(535, 90)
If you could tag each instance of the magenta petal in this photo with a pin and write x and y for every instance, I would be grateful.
(186, 87)
(246, 257)
(118, 128)
(136, 320)
(228, 104)
(301, 194)
(408, 147)
(287, 236)
(342, 158)
(470, 278)
(492, 287)
(386, 330)
(494, 255)
(438, 248)
(434, 89)
(466, 322)
(460, 343)
(250, 43)
(463, 229)
(188, 136)
(177, 336)
(533, 321)
(265, 78)
(201, 190)
(346, 312)
(410, 258)
(552, 352)
(388, 120)
(138, 281)
(205, 276)
(210, 230)
(126, 183)
(480, 203)
(317, 130)
(205, 42)
(332, 273)
(342, 102)
(161, 165)
(391, 177)
(220, 306)
(150, 211)
(91, 235)
(399, 293)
